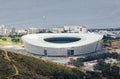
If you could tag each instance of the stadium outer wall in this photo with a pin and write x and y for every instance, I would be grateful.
(63, 51)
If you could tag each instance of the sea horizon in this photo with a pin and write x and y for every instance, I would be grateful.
(24, 14)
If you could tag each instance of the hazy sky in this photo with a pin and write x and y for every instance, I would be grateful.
(93, 13)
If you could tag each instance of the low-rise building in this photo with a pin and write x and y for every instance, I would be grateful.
(3, 30)
(56, 30)
(33, 30)
(75, 29)
(21, 32)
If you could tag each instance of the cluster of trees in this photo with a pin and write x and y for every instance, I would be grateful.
(76, 63)
(3, 38)
(107, 70)
(108, 37)
(100, 56)
(15, 39)
(107, 41)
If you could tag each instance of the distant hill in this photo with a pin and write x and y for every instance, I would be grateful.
(17, 66)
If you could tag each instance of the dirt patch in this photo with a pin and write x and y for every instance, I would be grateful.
(115, 44)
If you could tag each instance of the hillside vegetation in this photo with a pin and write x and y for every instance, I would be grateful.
(17, 66)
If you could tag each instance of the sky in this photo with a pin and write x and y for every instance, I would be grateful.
(57, 13)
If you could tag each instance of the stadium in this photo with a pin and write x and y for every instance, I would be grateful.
(62, 44)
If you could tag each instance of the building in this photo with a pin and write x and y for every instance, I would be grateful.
(21, 32)
(56, 30)
(33, 30)
(3, 30)
(62, 44)
(75, 29)
(13, 31)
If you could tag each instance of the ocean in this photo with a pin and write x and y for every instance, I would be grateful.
(23, 14)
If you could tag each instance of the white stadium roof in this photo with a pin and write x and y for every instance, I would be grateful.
(38, 39)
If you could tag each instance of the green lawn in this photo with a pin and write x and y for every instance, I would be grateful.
(9, 42)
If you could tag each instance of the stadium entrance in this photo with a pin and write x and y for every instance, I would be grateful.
(70, 52)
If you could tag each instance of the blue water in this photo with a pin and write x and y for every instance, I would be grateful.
(57, 13)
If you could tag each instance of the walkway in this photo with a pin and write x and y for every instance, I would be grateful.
(15, 67)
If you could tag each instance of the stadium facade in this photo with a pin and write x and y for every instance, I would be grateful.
(62, 44)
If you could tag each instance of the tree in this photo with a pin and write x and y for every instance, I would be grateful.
(4, 39)
(16, 40)
(76, 63)
(102, 66)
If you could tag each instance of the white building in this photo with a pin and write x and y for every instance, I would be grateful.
(3, 30)
(13, 31)
(75, 29)
(56, 30)
(62, 44)
(21, 32)
(33, 30)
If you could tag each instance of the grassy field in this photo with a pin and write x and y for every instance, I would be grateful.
(9, 41)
